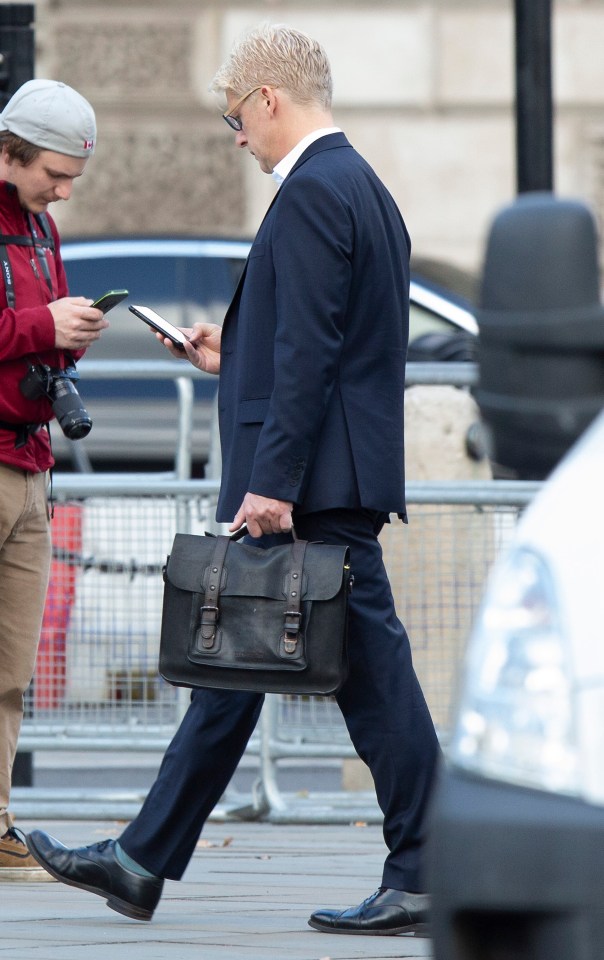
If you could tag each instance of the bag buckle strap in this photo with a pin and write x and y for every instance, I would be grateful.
(293, 622)
(209, 620)
(293, 613)
(210, 612)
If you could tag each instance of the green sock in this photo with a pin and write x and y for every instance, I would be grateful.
(130, 864)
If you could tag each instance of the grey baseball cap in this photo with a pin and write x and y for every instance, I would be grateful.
(53, 116)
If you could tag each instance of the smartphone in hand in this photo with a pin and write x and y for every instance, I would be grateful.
(109, 300)
(158, 323)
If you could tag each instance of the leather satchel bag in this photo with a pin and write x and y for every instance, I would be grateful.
(236, 616)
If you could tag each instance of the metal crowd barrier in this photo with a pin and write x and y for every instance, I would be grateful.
(96, 686)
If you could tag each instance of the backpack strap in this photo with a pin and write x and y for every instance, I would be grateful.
(17, 241)
(38, 246)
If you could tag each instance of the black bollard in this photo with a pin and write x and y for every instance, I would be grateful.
(541, 332)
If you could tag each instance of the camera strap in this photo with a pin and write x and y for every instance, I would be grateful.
(38, 245)
(42, 244)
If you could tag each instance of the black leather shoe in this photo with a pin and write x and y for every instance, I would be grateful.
(385, 913)
(97, 870)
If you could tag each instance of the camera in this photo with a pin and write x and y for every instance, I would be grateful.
(58, 386)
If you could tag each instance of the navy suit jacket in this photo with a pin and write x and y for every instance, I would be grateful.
(314, 344)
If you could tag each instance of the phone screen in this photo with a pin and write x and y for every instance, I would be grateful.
(154, 320)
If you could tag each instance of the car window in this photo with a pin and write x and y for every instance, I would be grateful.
(422, 321)
(433, 337)
(183, 290)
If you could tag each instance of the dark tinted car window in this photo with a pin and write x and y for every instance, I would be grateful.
(171, 279)
(184, 289)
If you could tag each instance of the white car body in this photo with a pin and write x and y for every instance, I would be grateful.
(516, 840)
(532, 707)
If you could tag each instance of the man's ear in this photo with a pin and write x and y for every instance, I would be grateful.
(270, 97)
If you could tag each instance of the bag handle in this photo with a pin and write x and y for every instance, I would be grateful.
(243, 532)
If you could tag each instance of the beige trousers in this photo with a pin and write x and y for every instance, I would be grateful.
(25, 551)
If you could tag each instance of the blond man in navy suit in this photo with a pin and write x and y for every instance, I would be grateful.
(311, 360)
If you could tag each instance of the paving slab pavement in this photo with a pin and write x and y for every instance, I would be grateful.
(247, 895)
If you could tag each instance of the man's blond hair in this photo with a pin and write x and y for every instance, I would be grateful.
(278, 56)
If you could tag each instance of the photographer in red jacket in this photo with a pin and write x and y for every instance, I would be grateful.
(47, 133)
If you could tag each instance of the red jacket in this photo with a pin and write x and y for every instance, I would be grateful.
(27, 334)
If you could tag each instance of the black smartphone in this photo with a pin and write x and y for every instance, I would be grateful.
(109, 300)
(158, 323)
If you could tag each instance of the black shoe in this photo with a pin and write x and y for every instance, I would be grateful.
(385, 913)
(97, 870)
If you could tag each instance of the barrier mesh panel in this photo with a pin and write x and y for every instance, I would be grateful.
(96, 673)
(438, 565)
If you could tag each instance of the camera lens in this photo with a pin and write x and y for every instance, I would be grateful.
(69, 410)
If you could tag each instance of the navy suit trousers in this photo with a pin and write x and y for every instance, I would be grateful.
(381, 701)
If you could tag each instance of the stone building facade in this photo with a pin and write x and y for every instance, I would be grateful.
(423, 88)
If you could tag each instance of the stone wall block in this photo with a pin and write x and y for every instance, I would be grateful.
(475, 57)
(138, 60)
(163, 180)
(577, 55)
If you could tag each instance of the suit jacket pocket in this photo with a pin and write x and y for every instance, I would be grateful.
(253, 410)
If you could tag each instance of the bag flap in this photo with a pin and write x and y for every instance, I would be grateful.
(251, 571)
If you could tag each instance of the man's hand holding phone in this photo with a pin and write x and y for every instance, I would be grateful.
(200, 343)
(77, 323)
(203, 348)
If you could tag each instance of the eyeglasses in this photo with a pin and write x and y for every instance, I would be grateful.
(235, 122)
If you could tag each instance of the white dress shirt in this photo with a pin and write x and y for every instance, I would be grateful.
(284, 166)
